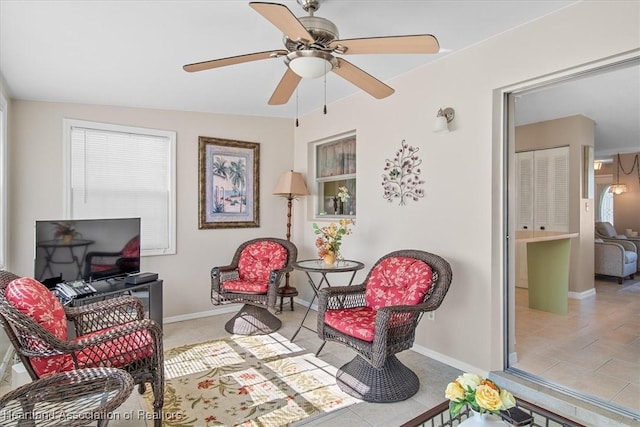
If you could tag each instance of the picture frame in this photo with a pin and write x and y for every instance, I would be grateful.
(229, 183)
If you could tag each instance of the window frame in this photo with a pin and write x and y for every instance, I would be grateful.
(68, 124)
(4, 183)
(341, 179)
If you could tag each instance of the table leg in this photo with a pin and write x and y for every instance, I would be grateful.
(301, 323)
(313, 298)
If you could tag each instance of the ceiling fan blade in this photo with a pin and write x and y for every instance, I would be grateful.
(423, 43)
(362, 79)
(280, 16)
(223, 62)
(285, 88)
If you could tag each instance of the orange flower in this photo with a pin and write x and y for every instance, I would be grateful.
(490, 384)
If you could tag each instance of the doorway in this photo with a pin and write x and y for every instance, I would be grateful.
(588, 353)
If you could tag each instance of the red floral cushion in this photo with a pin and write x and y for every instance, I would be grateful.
(118, 352)
(34, 300)
(357, 322)
(132, 248)
(398, 281)
(259, 259)
(246, 286)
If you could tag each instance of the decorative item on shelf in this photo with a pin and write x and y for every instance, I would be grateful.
(290, 186)
(343, 195)
(329, 239)
(444, 117)
(401, 179)
(482, 396)
(65, 231)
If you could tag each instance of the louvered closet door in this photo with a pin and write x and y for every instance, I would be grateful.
(524, 192)
(551, 189)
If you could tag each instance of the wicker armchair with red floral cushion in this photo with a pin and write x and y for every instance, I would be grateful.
(378, 319)
(110, 333)
(252, 278)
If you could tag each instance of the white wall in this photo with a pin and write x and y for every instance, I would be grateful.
(460, 217)
(36, 187)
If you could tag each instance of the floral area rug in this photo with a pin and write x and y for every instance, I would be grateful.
(246, 381)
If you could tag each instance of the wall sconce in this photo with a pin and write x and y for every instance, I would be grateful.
(597, 165)
(444, 117)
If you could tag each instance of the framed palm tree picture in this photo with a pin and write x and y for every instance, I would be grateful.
(229, 181)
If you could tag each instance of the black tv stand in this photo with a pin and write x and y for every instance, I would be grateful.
(114, 287)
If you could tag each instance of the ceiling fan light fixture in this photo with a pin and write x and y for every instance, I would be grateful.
(310, 63)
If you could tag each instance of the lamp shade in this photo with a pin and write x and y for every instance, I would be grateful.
(291, 183)
(441, 124)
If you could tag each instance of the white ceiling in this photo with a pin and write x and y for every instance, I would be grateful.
(610, 97)
(130, 53)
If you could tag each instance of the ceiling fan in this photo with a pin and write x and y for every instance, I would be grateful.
(311, 43)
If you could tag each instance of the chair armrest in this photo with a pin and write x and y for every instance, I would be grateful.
(57, 346)
(215, 275)
(103, 314)
(116, 332)
(629, 244)
(94, 254)
(337, 297)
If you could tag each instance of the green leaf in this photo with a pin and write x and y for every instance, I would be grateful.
(456, 407)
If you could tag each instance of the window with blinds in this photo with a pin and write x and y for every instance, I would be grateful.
(335, 177)
(118, 171)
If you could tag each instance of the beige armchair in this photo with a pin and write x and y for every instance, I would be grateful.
(605, 231)
(618, 259)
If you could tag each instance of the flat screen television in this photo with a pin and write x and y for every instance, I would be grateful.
(86, 249)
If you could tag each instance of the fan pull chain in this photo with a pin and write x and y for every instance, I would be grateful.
(325, 92)
(297, 124)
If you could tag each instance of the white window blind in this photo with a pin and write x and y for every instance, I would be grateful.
(120, 172)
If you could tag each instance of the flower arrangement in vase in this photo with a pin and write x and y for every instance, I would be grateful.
(329, 239)
(65, 231)
(482, 395)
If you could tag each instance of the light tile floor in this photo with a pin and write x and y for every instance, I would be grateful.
(595, 348)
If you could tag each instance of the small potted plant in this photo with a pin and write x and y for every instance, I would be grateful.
(65, 231)
(482, 395)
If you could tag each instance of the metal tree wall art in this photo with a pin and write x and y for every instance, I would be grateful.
(401, 178)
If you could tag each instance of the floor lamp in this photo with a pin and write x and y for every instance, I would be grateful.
(290, 186)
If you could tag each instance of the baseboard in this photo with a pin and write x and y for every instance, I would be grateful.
(191, 316)
(583, 294)
(448, 360)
